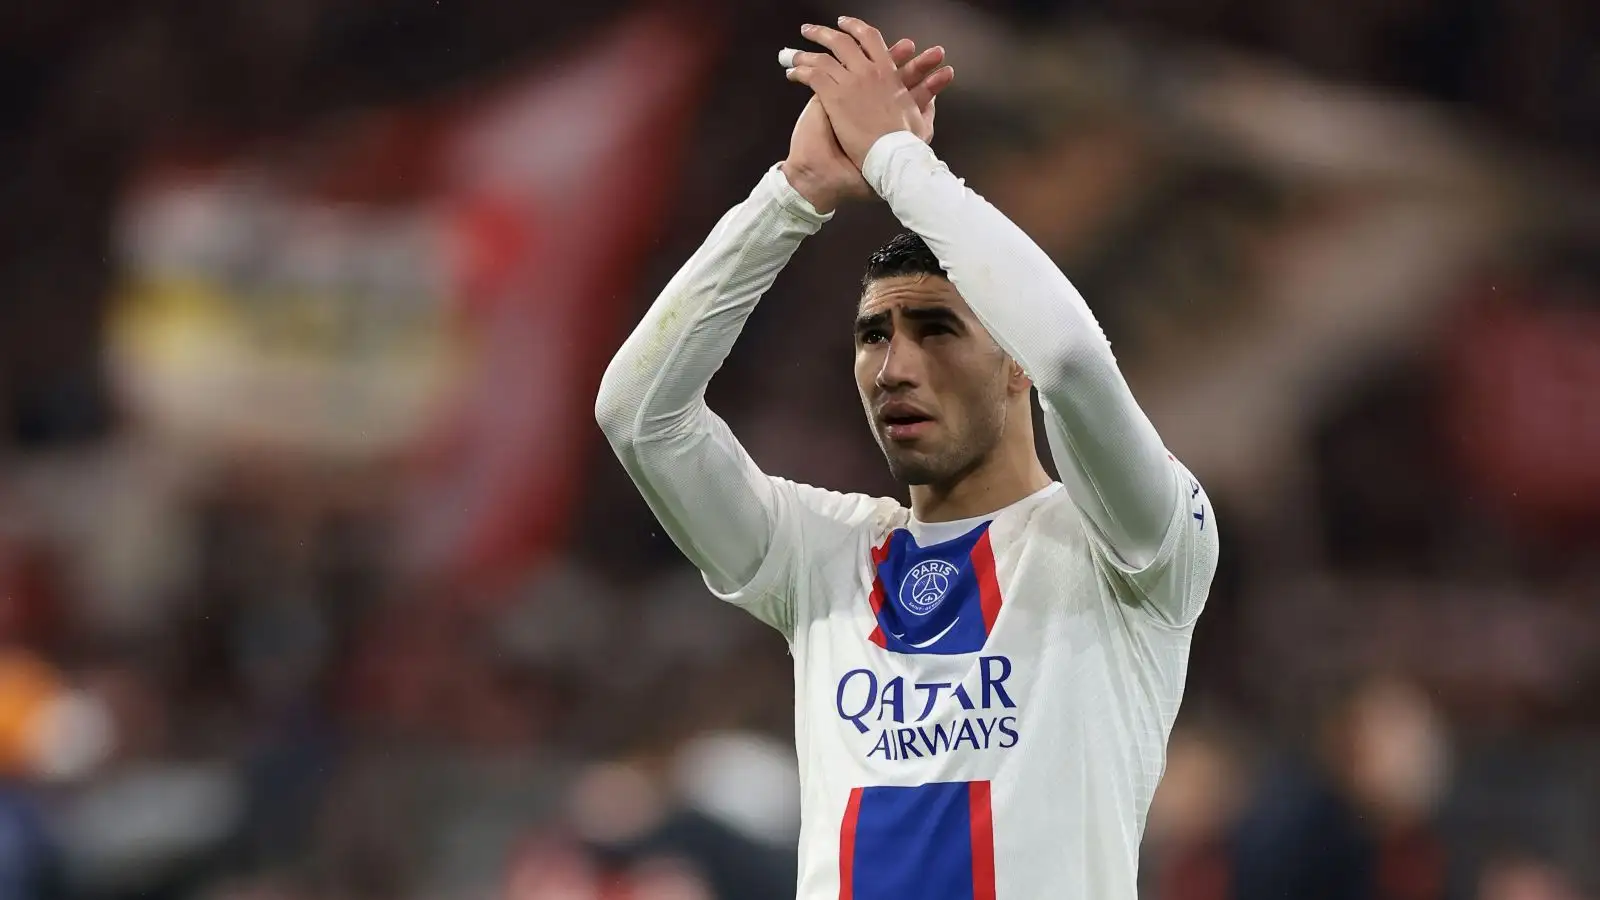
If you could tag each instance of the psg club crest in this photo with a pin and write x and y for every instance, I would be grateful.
(926, 585)
(939, 600)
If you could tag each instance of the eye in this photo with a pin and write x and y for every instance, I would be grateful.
(873, 336)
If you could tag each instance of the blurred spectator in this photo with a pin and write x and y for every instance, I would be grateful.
(1525, 879)
(1188, 853)
(1355, 822)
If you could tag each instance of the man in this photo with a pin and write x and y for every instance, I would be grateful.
(985, 681)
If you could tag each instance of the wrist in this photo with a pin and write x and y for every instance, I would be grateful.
(823, 196)
(875, 164)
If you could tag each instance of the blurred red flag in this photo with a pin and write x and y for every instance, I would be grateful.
(1521, 406)
(555, 186)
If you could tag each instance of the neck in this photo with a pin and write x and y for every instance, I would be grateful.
(998, 481)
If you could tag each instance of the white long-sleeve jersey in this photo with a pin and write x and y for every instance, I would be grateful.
(982, 707)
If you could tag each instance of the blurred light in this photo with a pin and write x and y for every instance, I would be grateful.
(74, 734)
(748, 782)
(614, 803)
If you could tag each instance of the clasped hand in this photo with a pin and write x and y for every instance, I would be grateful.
(862, 90)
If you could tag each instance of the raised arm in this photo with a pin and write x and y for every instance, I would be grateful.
(1108, 453)
(703, 487)
(737, 525)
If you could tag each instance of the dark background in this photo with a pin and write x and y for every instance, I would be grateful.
(1348, 255)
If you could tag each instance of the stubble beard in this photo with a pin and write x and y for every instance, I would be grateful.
(959, 454)
(909, 469)
(945, 465)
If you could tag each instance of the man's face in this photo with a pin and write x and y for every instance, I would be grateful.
(934, 384)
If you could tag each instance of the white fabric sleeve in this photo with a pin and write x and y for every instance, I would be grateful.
(726, 516)
(1110, 458)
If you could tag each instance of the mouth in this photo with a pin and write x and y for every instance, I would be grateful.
(903, 422)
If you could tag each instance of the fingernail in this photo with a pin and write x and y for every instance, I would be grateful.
(843, 19)
(807, 29)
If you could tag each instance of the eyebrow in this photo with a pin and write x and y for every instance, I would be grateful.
(941, 314)
(867, 323)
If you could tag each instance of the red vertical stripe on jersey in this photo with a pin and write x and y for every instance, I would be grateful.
(988, 582)
(847, 847)
(877, 597)
(982, 838)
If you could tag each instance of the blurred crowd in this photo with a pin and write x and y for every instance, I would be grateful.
(1347, 255)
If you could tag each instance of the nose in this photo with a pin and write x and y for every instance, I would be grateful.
(902, 364)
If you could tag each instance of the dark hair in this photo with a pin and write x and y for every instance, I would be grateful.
(905, 254)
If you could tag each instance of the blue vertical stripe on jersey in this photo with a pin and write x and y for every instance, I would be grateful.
(917, 842)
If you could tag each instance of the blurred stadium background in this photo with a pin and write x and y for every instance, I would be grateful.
(317, 582)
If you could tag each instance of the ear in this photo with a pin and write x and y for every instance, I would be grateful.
(1017, 381)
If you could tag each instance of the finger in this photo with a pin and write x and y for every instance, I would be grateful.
(903, 51)
(810, 76)
(824, 61)
(930, 87)
(843, 47)
(912, 73)
(870, 39)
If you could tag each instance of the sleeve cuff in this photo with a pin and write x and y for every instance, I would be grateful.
(875, 168)
(776, 186)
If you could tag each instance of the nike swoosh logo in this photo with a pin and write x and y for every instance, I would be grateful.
(930, 641)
